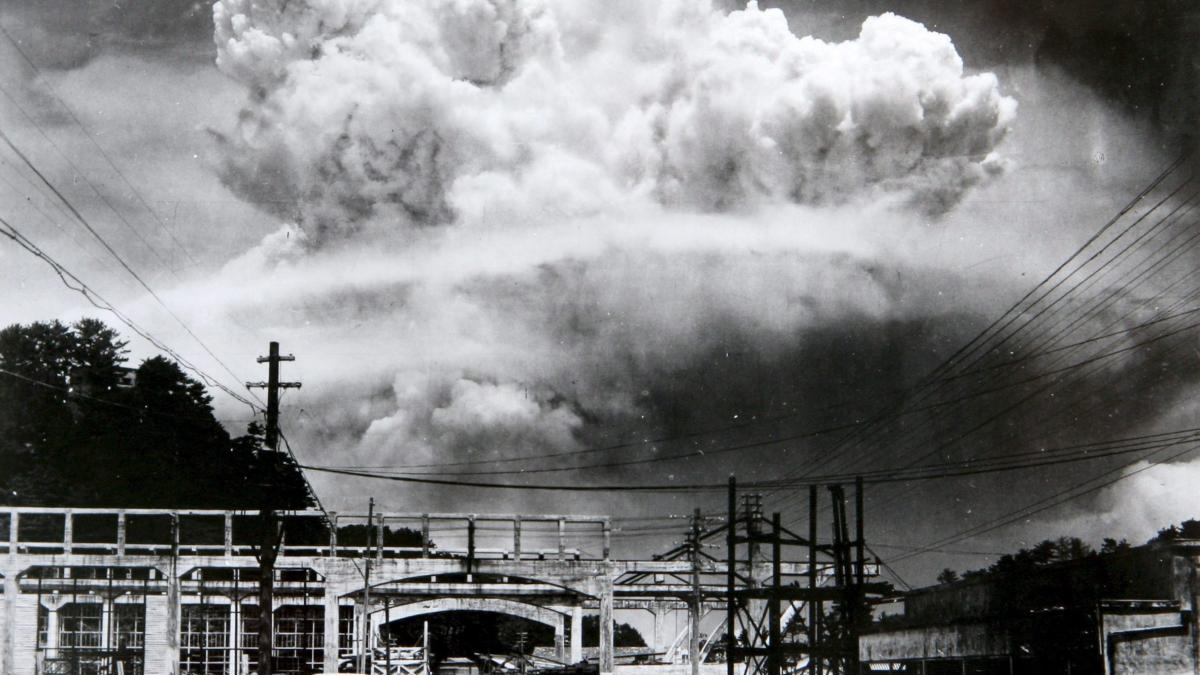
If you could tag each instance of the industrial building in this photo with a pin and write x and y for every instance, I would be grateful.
(157, 592)
(1132, 611)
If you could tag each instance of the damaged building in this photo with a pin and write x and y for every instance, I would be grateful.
(1130, 611)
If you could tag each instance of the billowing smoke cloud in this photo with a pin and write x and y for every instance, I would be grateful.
(1140, 56)
(474, 418)
(547, 221)
(1149, 499)
(535, 227)
(415, 113)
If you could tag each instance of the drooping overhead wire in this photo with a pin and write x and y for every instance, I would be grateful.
(994, 335)
(75, 394)
(972, 467)
(1080, 489)
(998, 332)
(99, 149)
(450, 468)
(116, 256)
(1144, 259)
(73, 282)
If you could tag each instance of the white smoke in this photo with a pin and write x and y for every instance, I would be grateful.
(536, 216)
(403, 113)
(1147, 496)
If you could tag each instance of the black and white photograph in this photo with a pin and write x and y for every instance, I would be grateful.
(599, 337)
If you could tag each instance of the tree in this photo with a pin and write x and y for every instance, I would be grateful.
(947, 576)
(72, 435)
(1188, 529)
(1111, 546)
(624, 635)
(1043, 554)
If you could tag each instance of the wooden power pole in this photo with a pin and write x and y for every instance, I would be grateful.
(271, 533)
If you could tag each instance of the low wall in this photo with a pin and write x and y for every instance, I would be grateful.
(671, 669)
(973, 640)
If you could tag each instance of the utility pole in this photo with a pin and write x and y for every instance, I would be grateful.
(730, 577)
(366, 622)
(695, 604)
(271, 533)
(752, 510)
(273, 385)
(521, 638)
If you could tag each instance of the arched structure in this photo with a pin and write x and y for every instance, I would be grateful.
(177, 591)
(555, 618)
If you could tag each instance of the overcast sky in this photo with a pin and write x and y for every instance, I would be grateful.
(491, 229)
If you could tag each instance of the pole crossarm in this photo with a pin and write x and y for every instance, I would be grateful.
(266, 385)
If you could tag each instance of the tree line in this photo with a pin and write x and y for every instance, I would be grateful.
(78, 429)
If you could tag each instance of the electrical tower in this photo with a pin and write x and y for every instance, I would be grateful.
(809, 627)
(271, 532)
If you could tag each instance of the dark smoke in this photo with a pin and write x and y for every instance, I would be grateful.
(67, 34)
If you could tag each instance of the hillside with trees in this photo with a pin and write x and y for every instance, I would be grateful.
(77, 430)
(1063, 550)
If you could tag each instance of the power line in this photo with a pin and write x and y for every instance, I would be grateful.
(878, 558)
(1001, 323)
(1044, 505)
(1158, 264)
(954, 470)
(115, 255)
(775, 441)
(103, 153)
(1091, 278)
(74, 283)
(107, 265)
(750, 445)
(78, 394)
(120, 216)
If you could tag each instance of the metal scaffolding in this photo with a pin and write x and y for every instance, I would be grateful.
(799, 625)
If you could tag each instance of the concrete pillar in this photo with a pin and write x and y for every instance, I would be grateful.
(106, 609)
(424, 535)
(576, 634)
(52, 632)
(53, 605)
(607, 538)
(560, 629)
(68, 536)
(235, 637)
(1193, 582)
(121, 533)
(332, 612)
(517, 538)
(173, 598)
(562, 539)
(606, 625)
(361, 632)
(656, 644)
(333, 534)
(1193, 631)
(162, 642)
(10, 599)
(379, 529)
(24, 655)
(7, 664)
